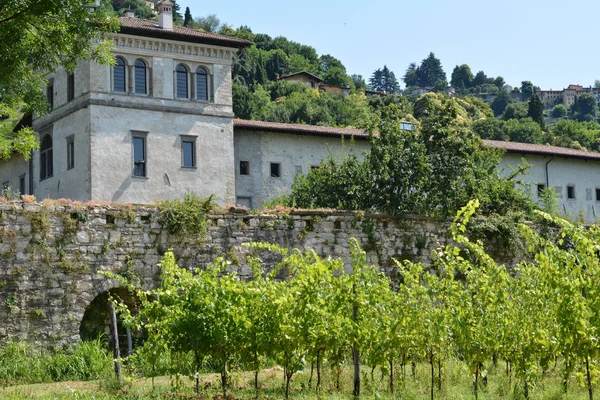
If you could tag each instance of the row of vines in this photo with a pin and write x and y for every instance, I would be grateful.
(465, 306)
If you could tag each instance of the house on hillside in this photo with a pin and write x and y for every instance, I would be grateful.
(566, 96)
(156, 125)
(314, 82)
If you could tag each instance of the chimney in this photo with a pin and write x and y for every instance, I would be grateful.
(165, 15)
(129, 13)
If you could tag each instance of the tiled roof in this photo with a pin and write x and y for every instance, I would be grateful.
(542, 150)
(142, 27)
(302, 73)
(509, 147)
(298, 129)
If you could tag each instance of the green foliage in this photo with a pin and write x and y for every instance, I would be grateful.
(527, 90)
(585, 108)
(462, 77)
(384, 80)
(559, 111)
(536, 110)
(515, 110)
(24, 363)
(501, 102)
(187, 217)
(428, 171)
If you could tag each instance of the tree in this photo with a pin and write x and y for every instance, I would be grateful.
(499, 81)
(515, 110)
(524, 131)
(462, 77)
(559, 111)
(480, 79)
(210, 23)
(536, 110)
(527, 90)
(384, 80)
(358, 82)
(410, 76)
(37, 37)
(188, 21)
(431, 73)
(177, 17)
(500, 103)
(585, 108)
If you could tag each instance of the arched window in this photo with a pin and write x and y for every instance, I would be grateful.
(141, 77)
(201, 84)
(182, 81)
(119, 83)
(46, 169)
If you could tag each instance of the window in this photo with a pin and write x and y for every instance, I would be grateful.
(570, 192)
(70, 152)
(244, 167)
(139, 156)
(141, 77)
(6, 186)
(244, 201)
(46, 168)
(70, 87)
(540, 189)
(275, 170)
(181, 73)
(22, 184)
(188, 152)
(597, 194)
(50, 93)
(201, 84)
(119, 83)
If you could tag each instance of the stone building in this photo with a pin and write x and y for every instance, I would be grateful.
(157, 124)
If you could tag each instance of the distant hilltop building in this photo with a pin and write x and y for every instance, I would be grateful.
(566, 96)
(314, 82)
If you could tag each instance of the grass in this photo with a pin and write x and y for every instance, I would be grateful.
(456, 384)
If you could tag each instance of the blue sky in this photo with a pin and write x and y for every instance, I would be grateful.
(552, 43)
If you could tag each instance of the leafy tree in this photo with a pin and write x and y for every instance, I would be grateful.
(462, 77)
(384, 80)
(585, 108)
(358, 82)
(500, 103)
(515, 110)
(527, 90)
(491, 128)
(188, 21)
(177, 17)
(37, 37)
(585, 134)
(536, 110)
(210, 23)
(499, 81)
(431, 73)
(336, 76)
(480, 79)
(410, 76)
(276, 62)
(525, 130)
(559, 111)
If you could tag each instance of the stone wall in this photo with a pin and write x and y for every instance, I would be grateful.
(51, 256)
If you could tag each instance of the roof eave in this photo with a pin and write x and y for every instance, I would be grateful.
(165, 34)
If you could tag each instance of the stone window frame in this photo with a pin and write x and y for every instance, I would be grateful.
(177, 74)
(189, 139)
(50, 93)
(135, 67)
(278, 175)
(70, 86)
(46, 158)
(192, 83)
(571, 192)
(144, 136)
(70, 152)
(247, 168)
(125, 75)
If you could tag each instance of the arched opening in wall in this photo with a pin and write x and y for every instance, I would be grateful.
(96, 320)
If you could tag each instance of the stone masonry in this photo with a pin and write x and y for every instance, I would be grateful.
(51, 255)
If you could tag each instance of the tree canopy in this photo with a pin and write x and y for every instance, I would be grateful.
(40, 36)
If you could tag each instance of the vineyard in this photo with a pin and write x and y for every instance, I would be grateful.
(539, 315)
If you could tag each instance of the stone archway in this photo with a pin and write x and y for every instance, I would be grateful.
(95, 322)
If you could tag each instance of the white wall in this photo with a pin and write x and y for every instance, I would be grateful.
(112, 156)
(562, 172)
(291, 151)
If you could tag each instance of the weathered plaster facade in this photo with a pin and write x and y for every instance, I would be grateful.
(102, 121)
(295, 154)
(51, 258)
